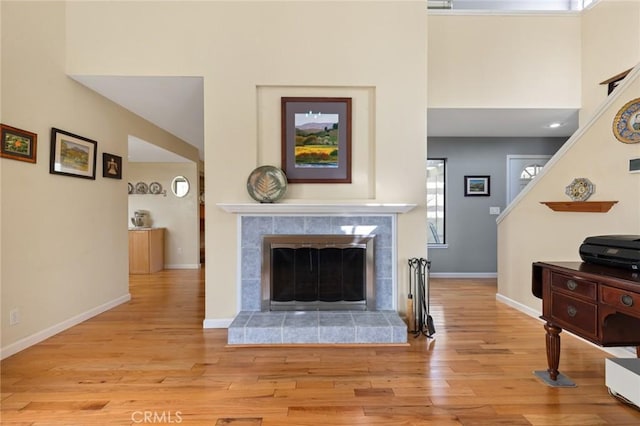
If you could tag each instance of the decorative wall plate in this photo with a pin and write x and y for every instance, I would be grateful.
(155, 188)
(141, 188)
(130, 188)
(580, 189)
(626, 124)
(267, 184)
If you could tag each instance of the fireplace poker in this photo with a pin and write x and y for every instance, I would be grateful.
(426, 268)
(411, 319)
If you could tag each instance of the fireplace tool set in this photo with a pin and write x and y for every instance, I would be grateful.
(420, 321)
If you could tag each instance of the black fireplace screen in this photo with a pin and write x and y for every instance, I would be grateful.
(325, 272)
(318, 274)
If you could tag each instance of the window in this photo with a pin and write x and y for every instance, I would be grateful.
(531, 171)
(504, 5)
(436, 168)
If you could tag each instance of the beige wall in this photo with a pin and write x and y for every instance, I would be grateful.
(250, 54)
(529, 231)
(179, 216)
(64, 239)
(504, 61)
(607, 49)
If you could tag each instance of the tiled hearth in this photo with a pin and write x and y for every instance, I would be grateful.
(382, 325)
(317, 327)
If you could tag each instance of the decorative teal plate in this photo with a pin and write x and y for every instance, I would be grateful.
(267, 184)
(626, 124)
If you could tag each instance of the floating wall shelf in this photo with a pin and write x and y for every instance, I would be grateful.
(580, 206)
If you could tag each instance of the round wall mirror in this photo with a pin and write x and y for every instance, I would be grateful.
(180, 186)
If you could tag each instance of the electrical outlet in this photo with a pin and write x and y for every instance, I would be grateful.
(14, 316)
(494, 210)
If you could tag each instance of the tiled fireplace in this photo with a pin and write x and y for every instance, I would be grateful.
(376, 324)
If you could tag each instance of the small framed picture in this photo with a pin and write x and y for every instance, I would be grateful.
(477, 186)
(18, 144)
(111, 166)
(72, 155)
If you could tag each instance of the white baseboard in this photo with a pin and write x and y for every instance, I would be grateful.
(38, 337)
(216, 323)
(463, 274)
(518, 306)
(620, 352)
(182, 266)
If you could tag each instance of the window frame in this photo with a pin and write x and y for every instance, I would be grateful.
(430, 223)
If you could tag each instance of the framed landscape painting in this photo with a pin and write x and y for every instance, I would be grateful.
(316, 140)
(18, 144)
(72, 155)
(476, 186)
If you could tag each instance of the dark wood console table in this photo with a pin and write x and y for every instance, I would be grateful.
(598, 303)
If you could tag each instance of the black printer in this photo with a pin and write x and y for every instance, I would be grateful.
(620, 251)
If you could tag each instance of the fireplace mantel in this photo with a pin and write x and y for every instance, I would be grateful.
(309, 208)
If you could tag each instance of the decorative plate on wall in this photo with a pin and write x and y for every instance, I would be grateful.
(155, 188)
(580, 189)
(141, 188)
(626, 124)
(267, 184)
(130, 188)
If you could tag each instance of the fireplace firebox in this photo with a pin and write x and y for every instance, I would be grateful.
(318, 272)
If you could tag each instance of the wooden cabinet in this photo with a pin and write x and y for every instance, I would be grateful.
(598, 303)
(146, 250)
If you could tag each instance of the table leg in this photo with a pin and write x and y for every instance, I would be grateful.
(553, 349)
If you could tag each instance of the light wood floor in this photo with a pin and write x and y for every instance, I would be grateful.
(150, 361)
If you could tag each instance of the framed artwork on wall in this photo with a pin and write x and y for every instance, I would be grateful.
(18, 144)
(477, 186)
(111, 166)
(316, 140)
(72, 155)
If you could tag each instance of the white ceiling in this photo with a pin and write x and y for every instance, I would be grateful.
(492, 122)
(176, 104)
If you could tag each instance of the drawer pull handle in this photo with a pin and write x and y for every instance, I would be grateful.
(572, 285)
(572, 311)
(626, 300)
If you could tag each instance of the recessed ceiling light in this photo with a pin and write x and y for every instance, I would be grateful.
(554, 125)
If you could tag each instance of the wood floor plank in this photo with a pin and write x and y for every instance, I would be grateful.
(151, 357)
(239, 422)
